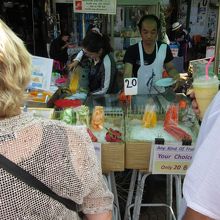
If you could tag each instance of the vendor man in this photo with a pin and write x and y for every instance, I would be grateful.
(147, 59)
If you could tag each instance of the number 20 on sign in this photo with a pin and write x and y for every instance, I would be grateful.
(130, 86)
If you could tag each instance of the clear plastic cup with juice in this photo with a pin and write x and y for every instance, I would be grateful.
(205, 87)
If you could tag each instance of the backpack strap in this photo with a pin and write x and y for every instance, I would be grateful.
(32, 181)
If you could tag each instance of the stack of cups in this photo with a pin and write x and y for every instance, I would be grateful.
(205, 86)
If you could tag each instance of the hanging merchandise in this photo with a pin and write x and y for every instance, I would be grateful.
(150, 116)
(68, 116)
(98, 118)
(113, 135)
(171, 117)
(78, 83)
(171, 123)
(82, 115)
(74, 80)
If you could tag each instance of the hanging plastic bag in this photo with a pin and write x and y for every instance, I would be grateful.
(150, 116)
(74, 80)
(172, 116)
(98, 117)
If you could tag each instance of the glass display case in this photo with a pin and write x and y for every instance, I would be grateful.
(164, 116)
(108, 129)
(126, 131)
(104, 119)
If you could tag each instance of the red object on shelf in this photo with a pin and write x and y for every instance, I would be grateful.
(61, 80)
(113, 135)
(165, 74)
(124, 98)
(182, 104)
(171, 124)
(177, 133)
(171, 117)
(64, 103)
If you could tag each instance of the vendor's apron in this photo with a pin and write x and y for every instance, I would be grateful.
(148, 74)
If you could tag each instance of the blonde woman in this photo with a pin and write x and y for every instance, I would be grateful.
(60, 156)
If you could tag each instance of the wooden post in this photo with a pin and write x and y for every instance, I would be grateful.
(217, 45)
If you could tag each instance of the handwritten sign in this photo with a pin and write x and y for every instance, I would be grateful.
(41, 73)
(130, 86)
(171, 158)
(95, 6)
(97, 147)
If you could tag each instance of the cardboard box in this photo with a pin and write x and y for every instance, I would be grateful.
(137, 155)
(113, 157)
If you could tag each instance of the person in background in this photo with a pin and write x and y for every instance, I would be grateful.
(91, 25)
(58, 48)
(182, 37)
(103, 72)
(147, 59)
(59, 155)
(201, 187)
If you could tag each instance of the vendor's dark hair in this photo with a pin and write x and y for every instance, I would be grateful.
(149, 18)
(95, 41)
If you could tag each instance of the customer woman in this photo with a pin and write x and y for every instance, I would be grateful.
(60, 156)
(103, 73)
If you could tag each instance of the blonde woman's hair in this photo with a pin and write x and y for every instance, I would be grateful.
(15, 71)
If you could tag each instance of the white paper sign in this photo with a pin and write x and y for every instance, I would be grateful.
(41, 112)
(41, 73)
(130, 86)
(97, 147)
(95, 6)
(171, 158)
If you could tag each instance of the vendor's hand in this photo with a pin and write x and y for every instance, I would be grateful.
(195, 106)
(73, 65)
(179, 82)
(65, 46)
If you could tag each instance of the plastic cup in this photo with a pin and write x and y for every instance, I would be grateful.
(205, 90)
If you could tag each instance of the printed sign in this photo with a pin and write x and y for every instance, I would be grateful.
(95, 6)
(171, 158)
(41, 73)
(130, 86)
(97, 147)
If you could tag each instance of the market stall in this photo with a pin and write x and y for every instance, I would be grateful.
(166, 119)
(145, 120)
(124, 133)
(111, 134)
(122, 129)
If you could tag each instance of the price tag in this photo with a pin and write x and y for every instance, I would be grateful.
(171, 158)
(97, 147)
(130, 86)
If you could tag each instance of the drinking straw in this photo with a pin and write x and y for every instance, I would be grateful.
(207, 67)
